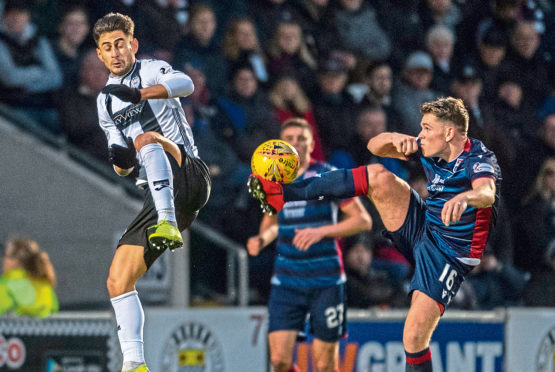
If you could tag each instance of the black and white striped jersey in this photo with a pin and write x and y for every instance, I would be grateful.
(121, 119)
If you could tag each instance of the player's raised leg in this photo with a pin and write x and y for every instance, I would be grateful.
(127, 267)
(152, 148)
(282, 343)
(389, 193)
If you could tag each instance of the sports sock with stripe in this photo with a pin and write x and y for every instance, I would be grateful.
(420, 361)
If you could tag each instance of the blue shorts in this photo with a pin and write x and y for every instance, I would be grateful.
(326, 307)
(435, 273)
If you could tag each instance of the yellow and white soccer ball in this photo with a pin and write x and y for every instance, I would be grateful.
(276, 160)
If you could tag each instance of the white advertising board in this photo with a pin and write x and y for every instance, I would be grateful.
(208, 340)
(530, 340)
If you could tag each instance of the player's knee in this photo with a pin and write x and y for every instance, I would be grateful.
(116, 286)
(379, 176)
(146, 138)
(415, 338)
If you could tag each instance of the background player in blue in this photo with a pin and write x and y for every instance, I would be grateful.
(140, 113)
(308, 272)
(444, 237)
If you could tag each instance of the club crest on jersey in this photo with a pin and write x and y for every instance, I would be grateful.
(135, 81)
(483, 167)
(457, 164)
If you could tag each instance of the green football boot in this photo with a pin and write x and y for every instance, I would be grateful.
(165, 235)
(141, 368)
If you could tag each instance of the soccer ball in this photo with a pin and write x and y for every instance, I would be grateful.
(276, 160)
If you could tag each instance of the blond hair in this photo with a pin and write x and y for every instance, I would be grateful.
(448, 109)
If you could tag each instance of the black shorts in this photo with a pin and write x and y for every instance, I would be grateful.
(191, 188)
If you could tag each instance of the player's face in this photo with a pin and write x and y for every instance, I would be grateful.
(117, 51)
(434, 136)
(301, 140)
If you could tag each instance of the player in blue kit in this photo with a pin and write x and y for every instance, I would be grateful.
(308, 272)
(443, 237)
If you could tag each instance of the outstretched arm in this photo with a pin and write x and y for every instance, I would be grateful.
(267, 233)
(357, 220)
(393, 145)
(482, 195)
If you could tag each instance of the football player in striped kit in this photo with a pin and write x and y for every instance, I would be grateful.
(443, 237)
(308, 272)
(140, 113)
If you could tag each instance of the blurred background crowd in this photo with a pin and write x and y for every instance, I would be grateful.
(352, 69)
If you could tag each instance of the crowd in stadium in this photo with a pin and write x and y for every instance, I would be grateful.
(352, 69)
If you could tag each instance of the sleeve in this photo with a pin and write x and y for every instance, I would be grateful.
(177, 83)
(479, 167)
(113, 135)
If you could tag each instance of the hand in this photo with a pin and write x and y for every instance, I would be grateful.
(404, 144)
(123, 157)
(123, 92)
(254, 245)
(453, 209)
(304, 238)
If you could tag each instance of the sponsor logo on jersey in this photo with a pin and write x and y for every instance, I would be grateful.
(483, 167)
(437, 184)
(124, 118)
(192, 347)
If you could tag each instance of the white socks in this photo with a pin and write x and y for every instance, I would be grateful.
(160, 180)
(130, 319)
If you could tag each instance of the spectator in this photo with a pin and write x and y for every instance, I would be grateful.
(439, 12)
(492, 48)
(378, 79)
(359, 30)
(289, 54)
(77, 108)
(29, 72)
(160, 25)
(331, 107)
(289, 101)
(402, 23)
(269, 14)
(467, 86)
(540, 290)
(245, 116)
(241, 45)
(496, 284)
(201, 46)
(440, 41)
(535, 224)
(413, 90)
(525, 63)
(313, 16)
(366, 287)
(69, 47)
(28, 280)
(480, 16)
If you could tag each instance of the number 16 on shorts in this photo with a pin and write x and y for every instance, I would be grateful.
(448, 278)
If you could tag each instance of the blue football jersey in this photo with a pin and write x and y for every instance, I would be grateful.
(467, 238)
(321, 265)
